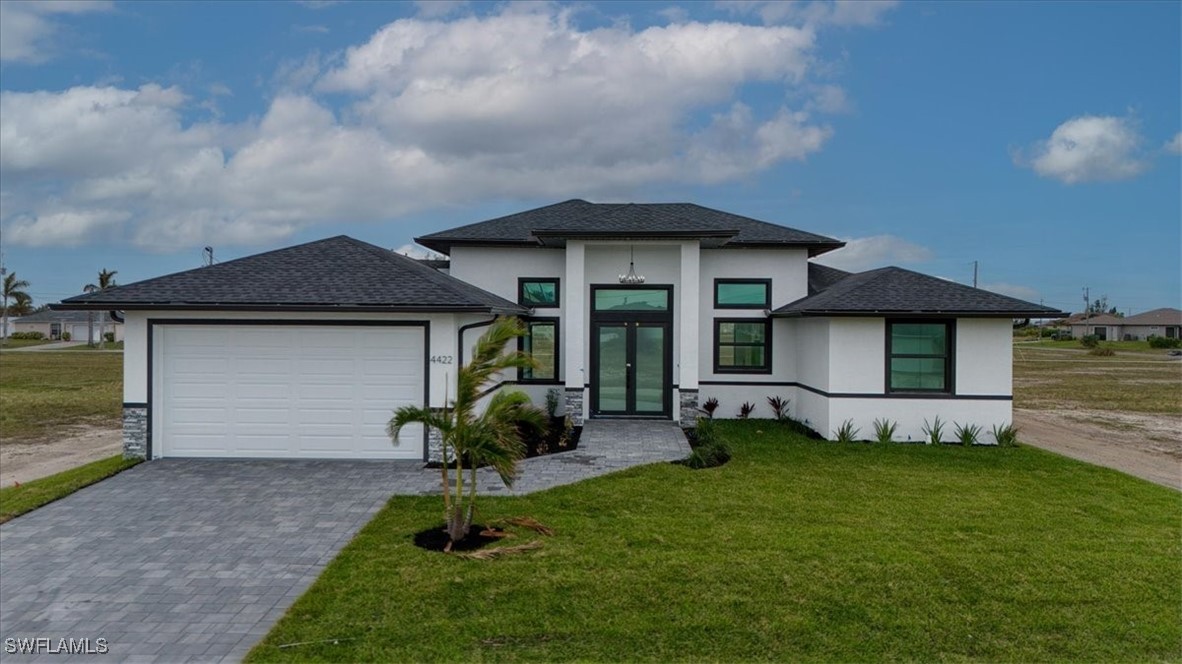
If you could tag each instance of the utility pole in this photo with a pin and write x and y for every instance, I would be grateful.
(974, 274)
(1087, 308)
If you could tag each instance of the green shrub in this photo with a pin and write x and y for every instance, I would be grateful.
(967, 434)
(109, 337)
(1102, 351)
(846, 433)
(709, 449)
(1006, 435)
(1089, 341)
(66, 336)
(934, 432)
(1164, 342)
(884, 430)
(27, 336)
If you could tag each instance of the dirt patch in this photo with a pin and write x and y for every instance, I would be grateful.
(25, 460)
(1144, 445)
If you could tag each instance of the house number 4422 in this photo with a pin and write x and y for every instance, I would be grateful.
(441, 359)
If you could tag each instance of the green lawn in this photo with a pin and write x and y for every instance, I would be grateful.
(42, 391)
(22, 343)
(16, 500)
(796, 550)
(1054, 380)
(117, 345)
(1073, 344)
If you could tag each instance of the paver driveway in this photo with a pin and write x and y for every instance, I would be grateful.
(179, 560)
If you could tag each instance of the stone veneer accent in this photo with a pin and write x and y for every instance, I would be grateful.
(434, 445)
(574, 406)
(135, 431)
(689, 412)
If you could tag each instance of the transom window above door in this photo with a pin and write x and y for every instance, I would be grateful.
(533, 292)
(631, 299)
(742, 293)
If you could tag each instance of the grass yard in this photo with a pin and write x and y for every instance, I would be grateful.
(117, 345)
(42, 391)
(15, 501)
(23, 343)
(1053, 380)
(796, 550)
(1073, 344)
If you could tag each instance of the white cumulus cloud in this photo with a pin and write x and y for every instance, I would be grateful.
(1174, 145)
(28, 29)
(866, 253)
(518, 104)
(1088, 148)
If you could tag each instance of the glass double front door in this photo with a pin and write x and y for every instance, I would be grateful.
(630, 372)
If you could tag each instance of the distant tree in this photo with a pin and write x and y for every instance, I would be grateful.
(14, 289)
(22, 305)
(1100, 306)
(106, 279)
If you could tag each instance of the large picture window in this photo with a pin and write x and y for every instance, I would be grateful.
(537, 292)
(919, 356)
(742, 293)
(742, 345)
(541, 342)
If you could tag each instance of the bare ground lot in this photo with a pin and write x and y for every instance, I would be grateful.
(58, 410)
(1123, 412)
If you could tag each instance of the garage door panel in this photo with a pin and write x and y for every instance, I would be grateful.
(288, 391)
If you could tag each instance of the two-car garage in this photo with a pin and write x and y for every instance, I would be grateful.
(284, 389)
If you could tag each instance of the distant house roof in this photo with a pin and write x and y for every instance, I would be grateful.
(553, 224)
(52, 316)
(1099, 319)
(1163, 316)
(895, 291)
(823, 276)
(335, 274)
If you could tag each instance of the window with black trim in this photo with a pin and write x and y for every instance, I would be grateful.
(541, 342)
(742, 293)
(742, 345)
(533, 292)
(919, 356)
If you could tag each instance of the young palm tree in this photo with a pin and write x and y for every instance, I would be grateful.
(489, 438)
(14, 289)
(106, 279)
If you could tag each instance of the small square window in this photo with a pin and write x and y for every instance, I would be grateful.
(742, 294)
(742, 345)
(537, 292)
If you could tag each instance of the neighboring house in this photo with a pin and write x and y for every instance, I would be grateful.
(1104, 326)
(54, 323)
(632, 311)
(1163, 322)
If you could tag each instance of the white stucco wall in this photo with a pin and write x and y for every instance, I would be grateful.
(496, 269)
(857, 348)
(984, 356)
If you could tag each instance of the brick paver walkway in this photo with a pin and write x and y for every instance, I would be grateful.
(195, 560)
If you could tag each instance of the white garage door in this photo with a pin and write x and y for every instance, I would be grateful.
(279, 391)
(82, 332)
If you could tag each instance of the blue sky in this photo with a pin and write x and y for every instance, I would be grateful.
(1040, 139)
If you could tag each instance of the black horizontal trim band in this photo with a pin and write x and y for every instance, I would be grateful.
(494, 388)
(576, 234)
(135, 404)
(528, 381)
(862, 395)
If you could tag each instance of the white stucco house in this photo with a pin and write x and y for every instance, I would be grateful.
(633, 310)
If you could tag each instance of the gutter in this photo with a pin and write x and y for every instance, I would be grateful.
(460, 338)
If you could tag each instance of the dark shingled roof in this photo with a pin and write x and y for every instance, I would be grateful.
(823, 276)
(893, 290)
(50, 316)
(578, 218)
(338, 273)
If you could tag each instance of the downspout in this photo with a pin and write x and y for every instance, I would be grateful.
(460, 338)
(116, 316)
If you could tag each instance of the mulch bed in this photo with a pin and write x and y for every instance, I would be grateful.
(434, 539)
